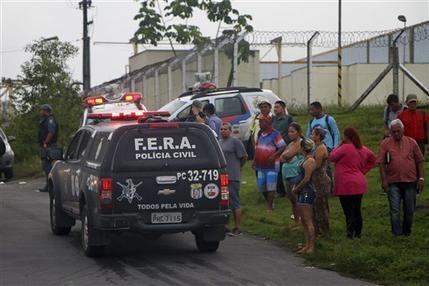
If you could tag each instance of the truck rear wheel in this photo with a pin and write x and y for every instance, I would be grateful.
(204, 245)
(56, 214)
(87, 232)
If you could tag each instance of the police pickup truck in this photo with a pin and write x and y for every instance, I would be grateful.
(153, 178)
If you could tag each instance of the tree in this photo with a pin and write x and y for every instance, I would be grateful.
(152, 26)
(45, 78)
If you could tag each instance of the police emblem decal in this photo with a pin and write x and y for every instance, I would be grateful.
(196, 191)
(129, 191)
(211, 191)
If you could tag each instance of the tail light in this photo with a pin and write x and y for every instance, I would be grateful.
(224, 192)
(105, 194)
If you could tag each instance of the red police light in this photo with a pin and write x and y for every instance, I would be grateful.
(94, 100)
(132, 97)
(128, 115)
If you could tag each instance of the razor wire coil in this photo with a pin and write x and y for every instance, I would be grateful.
(329, 39)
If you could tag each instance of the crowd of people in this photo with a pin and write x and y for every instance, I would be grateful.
(290, 163)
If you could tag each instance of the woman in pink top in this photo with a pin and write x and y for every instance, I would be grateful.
(352, 161)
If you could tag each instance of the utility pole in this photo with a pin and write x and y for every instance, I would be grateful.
(86, 72)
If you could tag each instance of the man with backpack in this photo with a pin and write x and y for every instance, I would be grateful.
(415, 122)
(325, 121)
(391, 111)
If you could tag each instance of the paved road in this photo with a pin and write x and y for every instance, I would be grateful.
(31, 255)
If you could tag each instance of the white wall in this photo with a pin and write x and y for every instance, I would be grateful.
(248, 75)
(356, 79)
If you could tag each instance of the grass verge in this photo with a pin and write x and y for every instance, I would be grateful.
(28, 168)
(378, 256)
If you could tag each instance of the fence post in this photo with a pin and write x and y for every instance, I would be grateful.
(170, 84)
(184, 75)
(310, 65)
(216, 66)
(235, 63)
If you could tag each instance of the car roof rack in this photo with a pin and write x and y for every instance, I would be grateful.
(202, 93)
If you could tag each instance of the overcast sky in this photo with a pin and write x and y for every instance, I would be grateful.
(24, 21)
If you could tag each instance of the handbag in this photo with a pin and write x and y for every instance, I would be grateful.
(250, 149)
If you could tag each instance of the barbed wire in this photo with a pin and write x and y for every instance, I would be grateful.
(329, 39)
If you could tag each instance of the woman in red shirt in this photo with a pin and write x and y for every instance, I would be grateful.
(352, 161)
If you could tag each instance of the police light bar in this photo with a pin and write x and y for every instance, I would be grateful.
(132, 97)
(94, 100)
(127, 115)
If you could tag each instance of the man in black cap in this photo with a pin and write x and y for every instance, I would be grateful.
(196, 113)
(47, 138)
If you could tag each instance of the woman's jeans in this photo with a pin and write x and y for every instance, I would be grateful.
(407, 193)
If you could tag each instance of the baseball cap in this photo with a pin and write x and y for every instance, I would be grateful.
(411, 97)
(264, 102)
(46, 107)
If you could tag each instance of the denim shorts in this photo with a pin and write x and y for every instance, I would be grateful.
(293, 180)
(306, 195)
(267, 180)
(234, 195)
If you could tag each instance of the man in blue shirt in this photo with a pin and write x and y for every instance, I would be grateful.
(326, 122)
(212, 119)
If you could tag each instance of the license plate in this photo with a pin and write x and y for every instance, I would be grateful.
(166, 217)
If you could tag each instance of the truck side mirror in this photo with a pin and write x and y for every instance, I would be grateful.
(55, 154)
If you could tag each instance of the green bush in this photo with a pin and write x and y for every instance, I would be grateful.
(45, 78)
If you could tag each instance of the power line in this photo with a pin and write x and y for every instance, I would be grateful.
(12, 51)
